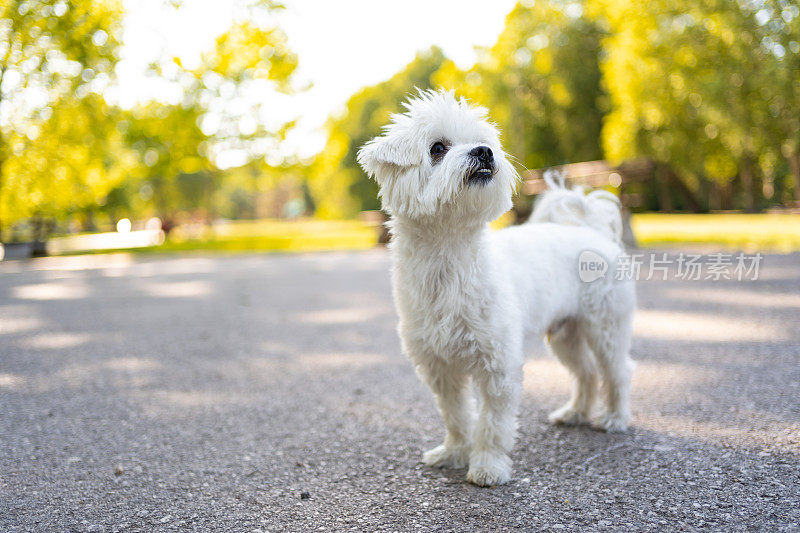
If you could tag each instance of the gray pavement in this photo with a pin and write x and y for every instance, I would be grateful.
(246, 393)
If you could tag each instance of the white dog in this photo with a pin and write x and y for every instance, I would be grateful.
(466, 296)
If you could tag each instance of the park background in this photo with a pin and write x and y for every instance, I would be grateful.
(212, 143)
(183, 387)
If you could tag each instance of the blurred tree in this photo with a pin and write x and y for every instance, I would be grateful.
(236, 82)
(541, 81)
(64, 163)
(55, 57)
(221, 112)
(694, 84)
(783, 38)
(337, 184)
(258, 190)
(172, 171)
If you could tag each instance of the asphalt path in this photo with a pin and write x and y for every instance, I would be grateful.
(269, 392)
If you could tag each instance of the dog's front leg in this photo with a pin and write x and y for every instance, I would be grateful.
(494, 435)
(456, 404)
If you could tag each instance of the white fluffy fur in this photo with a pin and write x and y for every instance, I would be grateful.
(466, 296)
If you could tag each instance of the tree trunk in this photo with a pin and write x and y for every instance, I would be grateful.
(727, 195)
(715, 196)
(664, 196)
(2, 161)
(746, 177)
(39, 235)
(1, 188)
(794, 164)
(692, 201)
(3, 70)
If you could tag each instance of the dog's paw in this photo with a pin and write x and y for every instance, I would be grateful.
(612, 422)
(567, 416)
(444, 457)
(488, 469)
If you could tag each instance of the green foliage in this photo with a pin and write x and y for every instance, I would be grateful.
(541, 82)
(66, 162)
(64, 150)
(709, 88)
(248, 52)
(704, 86)
(338, 185)
(54, 46)
(171, 171)
(56, 138)
(257, 190)
(252, 56)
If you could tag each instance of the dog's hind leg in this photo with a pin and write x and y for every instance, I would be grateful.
(569, 345)
(610, 341)
(456, 404)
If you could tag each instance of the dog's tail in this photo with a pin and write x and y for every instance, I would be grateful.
(599, 209)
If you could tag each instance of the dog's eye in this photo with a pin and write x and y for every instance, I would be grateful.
(438, 148)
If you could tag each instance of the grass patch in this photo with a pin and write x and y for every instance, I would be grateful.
(764, 232)
(279, 235)
(761, 232)
(294, 236)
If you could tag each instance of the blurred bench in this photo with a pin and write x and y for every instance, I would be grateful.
(630, 178)
(625, 177)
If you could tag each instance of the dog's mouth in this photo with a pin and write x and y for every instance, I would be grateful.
(480, 176)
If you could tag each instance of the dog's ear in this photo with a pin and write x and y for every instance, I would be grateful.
(387, 155)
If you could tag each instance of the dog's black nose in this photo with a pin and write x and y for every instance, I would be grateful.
(484, 153)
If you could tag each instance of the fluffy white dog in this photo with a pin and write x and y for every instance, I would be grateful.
(466, 296)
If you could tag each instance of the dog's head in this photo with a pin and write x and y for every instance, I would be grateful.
(441, 157)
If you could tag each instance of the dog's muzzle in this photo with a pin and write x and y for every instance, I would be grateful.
(483, 168)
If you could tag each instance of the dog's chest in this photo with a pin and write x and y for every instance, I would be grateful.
(445, 309)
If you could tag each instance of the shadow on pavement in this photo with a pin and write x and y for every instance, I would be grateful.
(210, 392)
